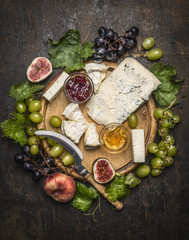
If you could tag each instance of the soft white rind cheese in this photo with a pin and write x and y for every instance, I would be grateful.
(128, 87)
(138, 144)
(91, 137)
(76, 125)
(73, 112)
(73, 130)
(97, 72)
(55, 88)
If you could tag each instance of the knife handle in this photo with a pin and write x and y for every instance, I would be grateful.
(101, 189)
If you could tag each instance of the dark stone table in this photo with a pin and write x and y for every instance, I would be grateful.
(158, 208)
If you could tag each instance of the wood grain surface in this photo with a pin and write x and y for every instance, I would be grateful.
(157, 209)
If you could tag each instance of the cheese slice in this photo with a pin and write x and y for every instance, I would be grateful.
(97, 72)
(91, 137)
(73, 130)
(55, 88)
(138, 144)
(127, 88)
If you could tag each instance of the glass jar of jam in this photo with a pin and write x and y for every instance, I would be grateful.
(78, 88)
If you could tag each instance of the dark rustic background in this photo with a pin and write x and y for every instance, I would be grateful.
(158, 208)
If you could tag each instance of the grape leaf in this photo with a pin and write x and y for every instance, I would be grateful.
(13, 128)
(68, 52)
(117, 189)
(131, 180)
(83, 197)
(23, 90)
(167, 91)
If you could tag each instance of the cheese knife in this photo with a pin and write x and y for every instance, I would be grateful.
(78, 156)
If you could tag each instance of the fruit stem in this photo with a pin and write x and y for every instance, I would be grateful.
(173, 102)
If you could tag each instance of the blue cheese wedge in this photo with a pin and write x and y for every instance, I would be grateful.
(97, 72)
(127, 88)
(55, 88)
(138, 144)
(91, 137)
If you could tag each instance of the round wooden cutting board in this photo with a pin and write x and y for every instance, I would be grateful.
(122, 162)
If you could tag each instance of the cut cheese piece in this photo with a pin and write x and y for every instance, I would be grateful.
(127, 88)
(73, 130)
(91, 138)
(73, 112)
(97, 72)
(55, 88)
(138, 143)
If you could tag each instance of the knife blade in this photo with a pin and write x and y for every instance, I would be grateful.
(69, 146)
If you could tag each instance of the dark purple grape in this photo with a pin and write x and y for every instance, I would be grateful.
(101, 52)
(28, 166)
(99, 41)
(115, 45)
(134, 30)
(26, 149)
(109, 33)
(50, 160)
(129, 43)
(111, 55)
(116, 36)
(120, 50)
(129, 34)
(19, 158)
(36, 175)
(102, 31)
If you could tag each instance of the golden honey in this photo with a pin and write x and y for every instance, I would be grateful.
(114, 138)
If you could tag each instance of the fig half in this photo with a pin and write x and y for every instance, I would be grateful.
(39, 69)
(103, 171)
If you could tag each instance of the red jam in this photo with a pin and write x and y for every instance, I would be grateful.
(78, 88)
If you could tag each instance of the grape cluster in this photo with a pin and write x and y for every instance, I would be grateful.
(109, 45)
(165, 150)
(38, 164)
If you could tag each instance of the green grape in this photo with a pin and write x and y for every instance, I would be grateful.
(168, 113)
(143, 171)
(133, 120)
(169, 139)
(36, 117)
(56, 150)
(31, 130)
(67, 159)
(164, 122)
(152, 148)
(32, 140)
(55, 121)
(160, 153)
(29, 99)
(155, 172)
(35, 106)
(171, 150)
(51, 142)
(20, 106)
(154, 54)
(148, 43)
(158, 113)
(163, 145)
(34, 149)
(176, 118)
(167, 161)
(156, 162)
(171, 124)
(163, 132)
